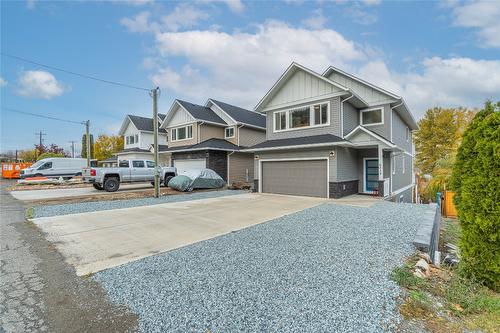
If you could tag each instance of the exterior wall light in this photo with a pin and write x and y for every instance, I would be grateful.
(332, 154)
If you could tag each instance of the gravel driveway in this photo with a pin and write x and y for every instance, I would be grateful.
(322, 269)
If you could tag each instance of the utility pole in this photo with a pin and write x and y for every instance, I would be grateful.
(87, 137)
(154, 95)
(40, 138)
(72, 148)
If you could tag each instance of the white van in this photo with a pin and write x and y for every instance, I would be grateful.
(55, 167)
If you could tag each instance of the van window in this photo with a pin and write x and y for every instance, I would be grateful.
(150, 164)
(123, 164)
(46, 166)
(138, 164)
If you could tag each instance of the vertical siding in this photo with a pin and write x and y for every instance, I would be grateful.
(347, 164)
(250, 137)
(130, 130)
(299, 86)
(399, 132)
(385, 129)
(351, 118)
(210, 131)
(241, 168)
(180, 117)
(333, 128)
(189, 142)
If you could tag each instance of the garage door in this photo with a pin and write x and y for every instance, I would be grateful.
(308, 178)
(184, 165)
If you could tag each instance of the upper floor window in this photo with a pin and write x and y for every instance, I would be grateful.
(132, 139)
(305, 116)
(182, 133)
(372, 117)
(229, 132)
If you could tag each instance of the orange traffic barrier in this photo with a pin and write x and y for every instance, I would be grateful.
(12, 170)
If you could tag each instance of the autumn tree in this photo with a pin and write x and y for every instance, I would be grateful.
(105, 146)
(28, 155)
(439, 135)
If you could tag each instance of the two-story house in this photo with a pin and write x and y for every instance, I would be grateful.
(138, 138)
(333, 135)
(212, 136)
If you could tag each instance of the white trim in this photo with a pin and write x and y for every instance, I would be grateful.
(308, 100)
(177, 128)
(170, 114)
(195, 149)
(403, 189)
(222, 110)
(331, 68)
(311, 117)
(234, 132)
(364, 172)
(381, 108)
(295, 65)
(327, 144)
(342, 115)
(298, 159)
(393, 164)
(376, 136)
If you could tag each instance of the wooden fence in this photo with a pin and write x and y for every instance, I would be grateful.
(449, 209)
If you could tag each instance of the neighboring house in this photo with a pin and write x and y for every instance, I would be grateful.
(138, 138)
(333, 135)
(212, 136)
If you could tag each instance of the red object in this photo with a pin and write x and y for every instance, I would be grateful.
(12, 170)
(92, 172)
(375, 193)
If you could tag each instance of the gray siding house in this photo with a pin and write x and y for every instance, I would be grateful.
(333, 135)
(213, 136)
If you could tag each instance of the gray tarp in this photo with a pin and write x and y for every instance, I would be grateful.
(197, 178)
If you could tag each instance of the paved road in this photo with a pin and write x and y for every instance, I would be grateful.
(39, 292)
(32, 195)
(99, 240)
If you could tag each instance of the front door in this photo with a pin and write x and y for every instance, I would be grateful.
(371, 175)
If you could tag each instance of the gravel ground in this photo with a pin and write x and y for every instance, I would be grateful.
(324, 269)
(83, 207)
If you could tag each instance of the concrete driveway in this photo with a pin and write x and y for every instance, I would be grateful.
(99, 240)
(34, 195)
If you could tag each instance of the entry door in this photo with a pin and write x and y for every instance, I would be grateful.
(371, 175)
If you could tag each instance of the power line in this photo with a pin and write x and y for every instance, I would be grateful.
(43, 116)
(74, 73)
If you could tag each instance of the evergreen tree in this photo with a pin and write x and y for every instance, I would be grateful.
(84, 146)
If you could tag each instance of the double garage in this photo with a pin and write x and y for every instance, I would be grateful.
(303, 177)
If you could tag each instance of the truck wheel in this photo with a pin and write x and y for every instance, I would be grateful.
(167, 179)
(111, 185)
(98, 187)
(37, 175)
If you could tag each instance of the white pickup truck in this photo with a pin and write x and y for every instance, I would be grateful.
(128, 171)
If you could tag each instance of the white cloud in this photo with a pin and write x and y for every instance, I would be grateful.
(3, 83)
(139, 23)
(30, 4)
(371, 2)
(481, 15)
(135, 3)
(360, 15)
(240, 67)
(183, 16)
(39, 84)
(236, 6)
(316, 21)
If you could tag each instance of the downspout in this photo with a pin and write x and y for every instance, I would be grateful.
(342, 115)
(199, 132)
(238, 130)
(228, 156)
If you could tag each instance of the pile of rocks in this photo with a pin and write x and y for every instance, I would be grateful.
(422, 267)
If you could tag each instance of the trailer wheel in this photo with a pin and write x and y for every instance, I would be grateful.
(98, 187)
(111, 184)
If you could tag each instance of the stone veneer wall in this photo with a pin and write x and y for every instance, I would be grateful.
(342, 189)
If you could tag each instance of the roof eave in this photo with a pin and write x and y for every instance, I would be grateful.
(312, 145)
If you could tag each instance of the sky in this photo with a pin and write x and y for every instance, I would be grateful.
(443, 54)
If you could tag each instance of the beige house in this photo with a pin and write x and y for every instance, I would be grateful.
(212, 136)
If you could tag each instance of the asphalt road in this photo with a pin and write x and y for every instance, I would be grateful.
(39, 291)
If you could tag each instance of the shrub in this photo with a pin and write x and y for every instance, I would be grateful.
(476, 181)
(49, 155)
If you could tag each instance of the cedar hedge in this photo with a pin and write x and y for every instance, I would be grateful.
(476, 181)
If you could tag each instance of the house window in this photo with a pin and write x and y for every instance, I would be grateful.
(229, 132)
(131, 139)
(306, 116)
(372, 117)
(127, 140)
(136, 138)
(182, 133)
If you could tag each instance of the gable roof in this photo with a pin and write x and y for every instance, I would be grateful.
(371, 133)
(240, 115)
(141, 123)
(200, 112)
(210, 144)
(286, 75)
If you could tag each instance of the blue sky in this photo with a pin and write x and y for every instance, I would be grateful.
(433, 54)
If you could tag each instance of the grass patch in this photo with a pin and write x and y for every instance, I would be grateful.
(404, 277)
(30, 213)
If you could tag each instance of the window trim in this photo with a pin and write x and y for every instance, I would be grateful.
(176, 134)
(225, 132)
(311, 117)
(381, 108)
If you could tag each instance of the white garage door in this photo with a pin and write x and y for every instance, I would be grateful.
(184, 165)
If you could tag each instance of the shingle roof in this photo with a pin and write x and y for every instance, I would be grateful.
(306, 140)
(201, 112)
(217, 144)
(133, 150)
(242, 115)
(145, 124)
